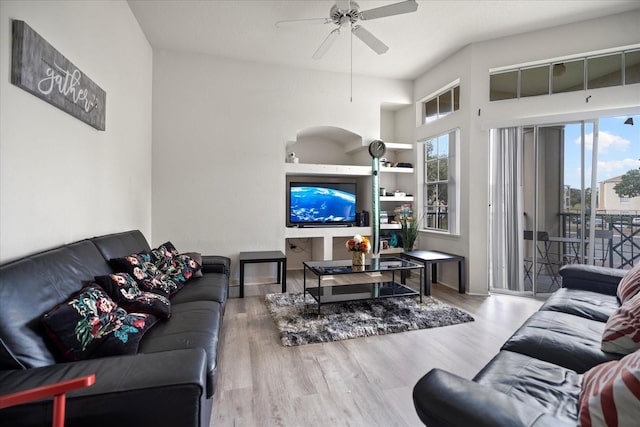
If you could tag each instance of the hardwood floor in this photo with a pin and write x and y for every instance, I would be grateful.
(358, 382)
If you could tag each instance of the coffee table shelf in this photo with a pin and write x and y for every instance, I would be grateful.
(359, 291)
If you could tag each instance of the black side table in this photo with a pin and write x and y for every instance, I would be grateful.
(261, 257)
(434, 258)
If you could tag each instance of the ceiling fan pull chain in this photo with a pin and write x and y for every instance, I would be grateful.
(351, 63)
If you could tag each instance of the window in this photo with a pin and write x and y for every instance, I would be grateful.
(606, 70)
(503, 86)
(632, 67)
(534, 81)
(440, 192)
(442, 104)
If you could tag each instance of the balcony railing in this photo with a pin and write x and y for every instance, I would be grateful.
(624, 249)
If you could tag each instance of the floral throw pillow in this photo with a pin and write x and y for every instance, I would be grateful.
(163, 255)
(89, 324)
(146, 273)
(622, 331)
(610, 394)
(125, 291)
(182, 268)
(629, 285)
(197, 257)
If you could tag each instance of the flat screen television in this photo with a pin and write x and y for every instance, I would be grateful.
(322, 203)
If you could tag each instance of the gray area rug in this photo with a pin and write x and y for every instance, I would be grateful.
(299, 325)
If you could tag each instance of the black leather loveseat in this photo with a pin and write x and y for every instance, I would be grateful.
(535, 380)
(171, 379)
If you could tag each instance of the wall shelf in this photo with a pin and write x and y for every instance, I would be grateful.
(396, 170)
(311, 169)
(326, 170)
(396, 199)
(390, 226)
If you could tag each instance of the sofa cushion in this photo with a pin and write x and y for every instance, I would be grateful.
(125, 292)
(211, 287)
(192, 325)
(90, 324)
(32, 285)
(629, 285)
(611, 393)
(534, 382)
(562, 339)
(622, 331)
(587, 304)
(117, 245)
(145, 272)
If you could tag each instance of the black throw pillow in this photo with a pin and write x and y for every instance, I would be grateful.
(125, 291)
(146, 274)
(89, 324)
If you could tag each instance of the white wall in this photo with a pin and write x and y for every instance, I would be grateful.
(220, 127)
(472, 65)
(60, 179)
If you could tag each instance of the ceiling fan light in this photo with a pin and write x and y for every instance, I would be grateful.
(559, 69)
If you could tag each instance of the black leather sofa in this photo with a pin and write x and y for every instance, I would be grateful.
(535, 379)
(169, 382)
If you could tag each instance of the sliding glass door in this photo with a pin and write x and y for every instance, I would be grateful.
(535, 205)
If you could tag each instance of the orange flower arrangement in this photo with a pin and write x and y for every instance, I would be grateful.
(359, 244)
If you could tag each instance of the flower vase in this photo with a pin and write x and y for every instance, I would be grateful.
(357, 258)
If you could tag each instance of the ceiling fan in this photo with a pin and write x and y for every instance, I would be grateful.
(347, 12)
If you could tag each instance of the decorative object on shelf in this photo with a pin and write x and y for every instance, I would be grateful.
(41, 70)
(291, 157)
(359, 246)
(377, 149)
(357, 259)
(409, 230)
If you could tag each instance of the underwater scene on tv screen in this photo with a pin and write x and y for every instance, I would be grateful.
(314, 204)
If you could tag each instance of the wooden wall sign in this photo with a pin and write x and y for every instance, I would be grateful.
(41, 70)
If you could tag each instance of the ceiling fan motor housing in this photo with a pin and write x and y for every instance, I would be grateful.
(340, 17)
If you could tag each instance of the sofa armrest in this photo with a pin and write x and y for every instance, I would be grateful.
(443, 399)
(164, 388)
(216, 264)
(591, 278)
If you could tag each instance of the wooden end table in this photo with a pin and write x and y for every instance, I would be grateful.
(262, 257)
(434, 258)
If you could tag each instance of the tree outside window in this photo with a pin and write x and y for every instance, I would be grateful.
(437, 181)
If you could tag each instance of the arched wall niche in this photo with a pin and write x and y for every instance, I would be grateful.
(326, 145)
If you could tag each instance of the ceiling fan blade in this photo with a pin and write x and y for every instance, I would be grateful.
(291, 22)
(326, 44)
(370, 40)
(390, 10)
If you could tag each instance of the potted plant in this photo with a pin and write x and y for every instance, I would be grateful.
(409, 232)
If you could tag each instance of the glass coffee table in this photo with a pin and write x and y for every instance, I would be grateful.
(360, 291)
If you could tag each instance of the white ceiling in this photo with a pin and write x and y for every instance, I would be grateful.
(246, 30)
